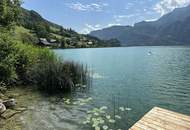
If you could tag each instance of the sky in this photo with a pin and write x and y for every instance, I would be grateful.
(88, 15)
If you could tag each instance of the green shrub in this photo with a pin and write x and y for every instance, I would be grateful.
(16, 58)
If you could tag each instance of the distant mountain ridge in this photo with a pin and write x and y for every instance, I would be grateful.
(171, 29)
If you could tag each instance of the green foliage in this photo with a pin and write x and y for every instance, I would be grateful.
(7, 60)
(63, 43)
(33, 21)
(16, 58)
(42, 30)
(24, 63)
(9, 10)
(24, 35)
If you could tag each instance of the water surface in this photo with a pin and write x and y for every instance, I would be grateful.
(138, 77)
(135, 77)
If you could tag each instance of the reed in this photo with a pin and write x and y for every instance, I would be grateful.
(55, 76)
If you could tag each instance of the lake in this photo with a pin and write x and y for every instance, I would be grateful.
(133, 78)
(137, 77)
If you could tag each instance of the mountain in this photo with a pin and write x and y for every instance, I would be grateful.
(33, 28)
(171, 29)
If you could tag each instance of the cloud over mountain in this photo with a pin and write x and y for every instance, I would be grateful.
(165, 6)
(98, 7)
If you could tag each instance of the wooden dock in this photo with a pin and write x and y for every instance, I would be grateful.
(162, 119)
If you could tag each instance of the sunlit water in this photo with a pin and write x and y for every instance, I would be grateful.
(135, 77)
(140, 77)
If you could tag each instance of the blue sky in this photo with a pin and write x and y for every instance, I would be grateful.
(87, 15)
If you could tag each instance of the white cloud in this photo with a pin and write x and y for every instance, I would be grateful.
(151, 20)
(113, 24)
(88, 7)
(129, 5)
(119, 18)
(165, 6)
(88, 28)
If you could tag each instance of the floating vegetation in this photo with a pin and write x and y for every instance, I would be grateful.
(79, 101)
(67, 101)
(97, 76)
(99, 119)
(117, 116)
(121, 108)
(128, 109)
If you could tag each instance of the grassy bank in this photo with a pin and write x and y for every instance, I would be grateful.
(22, 63)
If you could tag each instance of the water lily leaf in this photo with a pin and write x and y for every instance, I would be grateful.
(96, 114)
(97, 128)
(117, 116)
(84, 86)
(105, 127)
(121, 108)
(67, 101)
(95, 124)
(108, 116)
(128, 109)
(90, 98)
(93, 119)
(112, 121)
(104, 108)
(102, 121)
(85, 122)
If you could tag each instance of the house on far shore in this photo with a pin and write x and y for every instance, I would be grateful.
(45, 42)
(53, 41)
(90, 43)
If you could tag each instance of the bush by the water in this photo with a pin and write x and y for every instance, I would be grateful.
(16, 58)
(24, 63)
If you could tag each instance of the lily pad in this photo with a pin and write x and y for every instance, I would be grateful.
(117, 116)
(121, 108)
(105, 127)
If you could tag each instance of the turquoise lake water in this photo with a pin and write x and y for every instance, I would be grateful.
(137, 77)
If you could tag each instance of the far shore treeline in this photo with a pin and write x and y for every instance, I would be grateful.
(22, 62)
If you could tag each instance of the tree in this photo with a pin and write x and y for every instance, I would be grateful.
(9, 11)
(63, 43)
(61, 30)
(41, 30)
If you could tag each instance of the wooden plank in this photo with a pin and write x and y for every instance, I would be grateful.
(135, 128)
(167, 124)
(175, 120)
(162, 119)
(171, 113)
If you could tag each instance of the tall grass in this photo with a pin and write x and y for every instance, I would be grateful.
(55, 76)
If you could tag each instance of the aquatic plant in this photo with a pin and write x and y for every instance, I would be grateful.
(56, 76)
(99, 118)
(79, 101)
